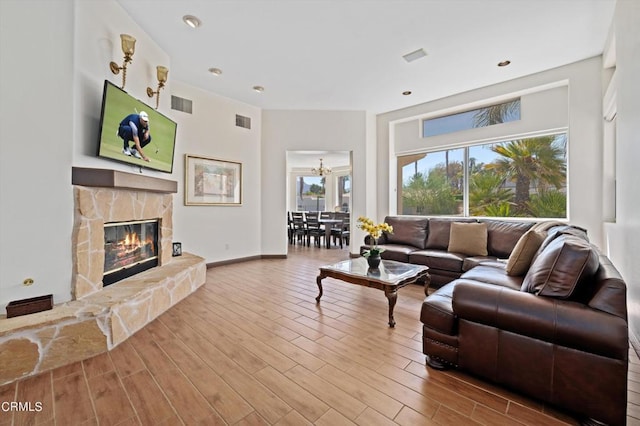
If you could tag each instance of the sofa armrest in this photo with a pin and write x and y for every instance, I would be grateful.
(556, 321)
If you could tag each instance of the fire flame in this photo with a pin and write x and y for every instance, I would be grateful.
(132, 240)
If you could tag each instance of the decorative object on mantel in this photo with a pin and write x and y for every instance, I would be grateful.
(321, 171)
(177, 249)
(212, 182)
(128, 48)
(29, 306)
(375, 231)
(162, 73)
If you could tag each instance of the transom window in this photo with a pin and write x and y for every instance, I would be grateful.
(481, 117)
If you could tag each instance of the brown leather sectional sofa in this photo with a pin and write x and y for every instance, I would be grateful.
(556, 331)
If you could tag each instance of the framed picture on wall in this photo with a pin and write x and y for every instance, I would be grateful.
(212, 182)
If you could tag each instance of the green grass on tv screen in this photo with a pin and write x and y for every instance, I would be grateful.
(117, 104)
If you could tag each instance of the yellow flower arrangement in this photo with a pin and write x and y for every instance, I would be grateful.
(375, 231)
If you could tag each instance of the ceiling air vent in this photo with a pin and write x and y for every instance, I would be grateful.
(242, 121)
(181, 104)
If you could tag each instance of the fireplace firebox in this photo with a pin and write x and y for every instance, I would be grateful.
(129, 248)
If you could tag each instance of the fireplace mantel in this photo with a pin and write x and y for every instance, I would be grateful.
(106, 178)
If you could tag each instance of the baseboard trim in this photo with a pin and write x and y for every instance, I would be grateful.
(273, 256)
(245, 259)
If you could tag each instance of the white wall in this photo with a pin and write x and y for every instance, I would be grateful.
(624, 237)
(585, 136)
(284, 131)
(36, 133)
(218, 232)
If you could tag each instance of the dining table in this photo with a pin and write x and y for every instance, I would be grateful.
(328, 224)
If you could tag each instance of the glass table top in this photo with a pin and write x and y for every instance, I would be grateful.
(389, 271)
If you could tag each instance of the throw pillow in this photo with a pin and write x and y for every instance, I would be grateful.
(560, 267)
(468, 238)
(522, 254)
(439, 232)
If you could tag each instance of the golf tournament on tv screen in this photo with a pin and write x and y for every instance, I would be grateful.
(117, 144)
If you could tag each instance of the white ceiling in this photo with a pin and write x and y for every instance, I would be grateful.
(347, 54)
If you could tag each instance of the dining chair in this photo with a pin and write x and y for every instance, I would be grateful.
(342, 231)
(289, 228)
(299, 232)
(314, 230)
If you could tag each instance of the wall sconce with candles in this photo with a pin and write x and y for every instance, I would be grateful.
(321, 171)
(162, 73)
(128, 48)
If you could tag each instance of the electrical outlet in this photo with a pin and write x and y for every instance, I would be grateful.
(226, 246)
(27, 281)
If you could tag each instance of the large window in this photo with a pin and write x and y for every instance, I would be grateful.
(310, 193)
(517, 178)
(343, 193)
(432, 184)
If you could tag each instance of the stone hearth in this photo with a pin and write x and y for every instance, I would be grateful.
(101, 318)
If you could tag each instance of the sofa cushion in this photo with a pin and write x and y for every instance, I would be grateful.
(407, 230)
(468, 238)
(523, 253)
(439, 232)
(396, 252)
(473, 261)
(557, 231)
(438, 259)
(493, 273)
(560, 267)
(504, 235)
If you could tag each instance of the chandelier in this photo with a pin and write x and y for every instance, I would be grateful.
(321, 171)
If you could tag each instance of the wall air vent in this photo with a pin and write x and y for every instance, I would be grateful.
(182, 104)
(242, 121)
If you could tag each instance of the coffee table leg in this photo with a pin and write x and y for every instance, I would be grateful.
(392, 295)
(319, 282)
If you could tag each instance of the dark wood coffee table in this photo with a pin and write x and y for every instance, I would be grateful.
(389, 277)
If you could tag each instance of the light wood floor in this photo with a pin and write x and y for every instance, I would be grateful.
(251, 347)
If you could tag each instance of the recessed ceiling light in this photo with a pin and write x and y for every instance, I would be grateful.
(415, 55)
(258, 89)
(215, 71)
(406, 92)
(503, 63)
(191, 21)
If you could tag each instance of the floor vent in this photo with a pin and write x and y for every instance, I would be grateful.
(182, 104)
(242, 121)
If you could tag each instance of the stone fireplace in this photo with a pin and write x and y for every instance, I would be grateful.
(99, 318)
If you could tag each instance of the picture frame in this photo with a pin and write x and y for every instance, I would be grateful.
(177, 249)
(212, 182)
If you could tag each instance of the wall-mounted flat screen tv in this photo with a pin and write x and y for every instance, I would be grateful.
(133, 132)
